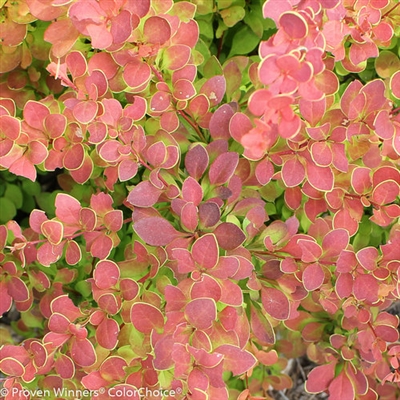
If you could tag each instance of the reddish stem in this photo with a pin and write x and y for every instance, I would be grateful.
(388, 12)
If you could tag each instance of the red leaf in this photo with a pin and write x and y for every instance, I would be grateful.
(189, 217)
(385, 192)
(156, 231)
(64, 367)
(366, 287)
(293, 172)
(229, 235)
(334, 242)
(146, 317)
(101, 246)
(320, 377)
(106, 274)
(107, 333)
(156, 30)
(136, 73)
(53, 231)
(113, 220)
(219, 122)
(192, 191)
(162, 352)
(64, 305)
(261, 327)
(236, 360)
(264, 171)
(214, 89)
(310, 251)
(201, 313)
(17, 289)
(205, 251)
(121, 26)
(313, 277)
(145, 194)
(320, 178)
(275, 303)
(10, 127)
(82, 352)
(231, 293)
(341, 388)
(321, 153)
(395, 84)
(209, 214)
(5, 299)
(196, 161)
(344, 285)
(206, 286)
(223, 168)
(368, 257)
(12, 367)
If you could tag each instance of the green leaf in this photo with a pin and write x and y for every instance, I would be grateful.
(8, 210)
(244, 41)
(31, 188)
(14, 193)
(255, 22)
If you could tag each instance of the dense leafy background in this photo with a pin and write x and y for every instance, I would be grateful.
(193, 194)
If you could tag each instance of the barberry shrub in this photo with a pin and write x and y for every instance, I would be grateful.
(194, 193)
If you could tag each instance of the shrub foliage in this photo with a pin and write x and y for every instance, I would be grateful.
(193, 193)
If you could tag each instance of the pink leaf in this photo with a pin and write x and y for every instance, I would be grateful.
(196, 161)
(294, 25)
(219, 122)
(223, 168)
(64, 367)
(113, 220)
(107, 333)
(156, 231)
(293, 172)
(146, 317)
(334, 242)
(17, 289)
(73, 253)
(156, 30)
(205, 251)
(214, 89)
(385, 192)
(201, 313)
(82, 352)
(320, 377)
(275, 303)
(192, 191)
(35, 114)
(144, 195)
(53, 231)
(101, 246)
(313, 277)
(106, 274)
(341, 388)
(261, 327)
(236, 360)
(136, 73)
